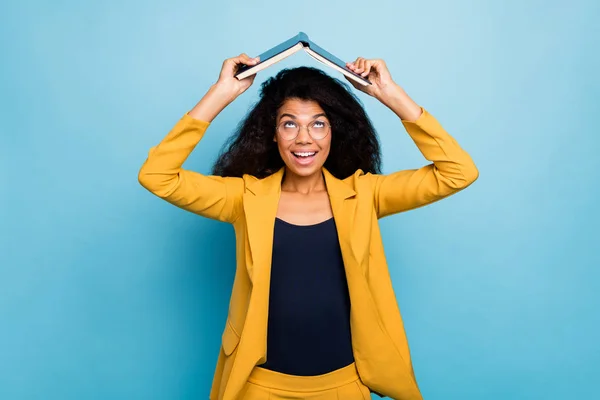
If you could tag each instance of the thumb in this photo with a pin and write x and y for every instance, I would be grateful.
(250, 79)
(353, 83)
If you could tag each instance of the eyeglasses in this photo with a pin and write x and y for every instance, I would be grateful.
(317, 129)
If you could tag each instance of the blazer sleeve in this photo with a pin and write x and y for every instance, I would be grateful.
(451, 170)
(162, 174)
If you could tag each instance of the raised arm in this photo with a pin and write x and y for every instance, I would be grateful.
(451, 170)
(162, 174)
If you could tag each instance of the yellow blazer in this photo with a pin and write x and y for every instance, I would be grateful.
(379, 342)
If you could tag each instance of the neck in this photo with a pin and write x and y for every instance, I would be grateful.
(303, 184)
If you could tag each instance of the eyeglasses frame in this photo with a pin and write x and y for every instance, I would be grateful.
(304, 126)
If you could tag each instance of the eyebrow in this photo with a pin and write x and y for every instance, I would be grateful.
(292, 116)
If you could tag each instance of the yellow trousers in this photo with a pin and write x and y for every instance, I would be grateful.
(341, 384)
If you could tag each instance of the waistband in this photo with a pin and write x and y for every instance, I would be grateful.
(278, 380)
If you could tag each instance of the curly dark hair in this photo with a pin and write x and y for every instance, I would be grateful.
(354, 143)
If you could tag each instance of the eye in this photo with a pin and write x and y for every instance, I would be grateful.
(318, 124)
(289, 124)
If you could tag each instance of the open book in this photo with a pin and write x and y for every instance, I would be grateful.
(293, 45)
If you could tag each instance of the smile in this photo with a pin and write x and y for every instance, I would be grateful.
(304, 154)
(304, 158)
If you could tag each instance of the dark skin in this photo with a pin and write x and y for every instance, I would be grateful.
(304, 199)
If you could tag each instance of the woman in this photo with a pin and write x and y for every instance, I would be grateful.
(300, 183)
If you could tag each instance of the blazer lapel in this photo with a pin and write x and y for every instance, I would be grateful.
(260, 207)
(343, 205)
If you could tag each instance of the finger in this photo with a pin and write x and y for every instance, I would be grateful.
(364, 66)
(231, 65)
(356, 64)
(249, 60)
(237, 60)
(368, 66)
(380, 67)
(361, 64)
(245, 59)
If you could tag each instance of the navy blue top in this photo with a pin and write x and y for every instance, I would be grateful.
(309, 305)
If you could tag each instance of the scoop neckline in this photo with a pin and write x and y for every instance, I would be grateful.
(304, 226)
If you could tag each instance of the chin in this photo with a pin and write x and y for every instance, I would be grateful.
(298, 169)
(304, 171)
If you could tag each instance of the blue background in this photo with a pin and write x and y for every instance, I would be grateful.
(107, 292)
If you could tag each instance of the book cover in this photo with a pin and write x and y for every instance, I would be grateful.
(299, 42)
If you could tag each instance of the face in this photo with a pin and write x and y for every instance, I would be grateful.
(303, 155)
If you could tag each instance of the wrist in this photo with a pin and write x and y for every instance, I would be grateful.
(390, 94)
(212, 103)
(222, 93)
(396, 99)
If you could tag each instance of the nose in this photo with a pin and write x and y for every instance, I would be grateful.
(303, 135)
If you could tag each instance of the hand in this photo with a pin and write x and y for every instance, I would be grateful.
(383, 88)
(376, 72)
(227, 81)
(225, 90)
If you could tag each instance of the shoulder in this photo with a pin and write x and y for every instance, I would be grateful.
(250, 179)
(357, 183)
(264, 185)
(360, 179)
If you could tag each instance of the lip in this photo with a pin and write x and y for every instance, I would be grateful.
(305, 160)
